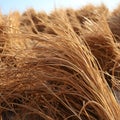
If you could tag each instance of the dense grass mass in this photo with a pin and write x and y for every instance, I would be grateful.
(60, 66)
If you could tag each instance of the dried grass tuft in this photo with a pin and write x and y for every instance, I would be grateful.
(55, 67)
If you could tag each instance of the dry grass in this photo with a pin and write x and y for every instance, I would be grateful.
(61, 66)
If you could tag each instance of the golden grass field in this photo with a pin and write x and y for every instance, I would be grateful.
(60, 66)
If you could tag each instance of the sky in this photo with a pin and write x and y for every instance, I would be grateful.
(7, 6)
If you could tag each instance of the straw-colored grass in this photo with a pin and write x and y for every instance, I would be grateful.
(61, 66)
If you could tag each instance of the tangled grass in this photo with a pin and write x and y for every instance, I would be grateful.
(60, 66)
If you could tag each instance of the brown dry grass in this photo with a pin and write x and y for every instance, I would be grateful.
(61, 66)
